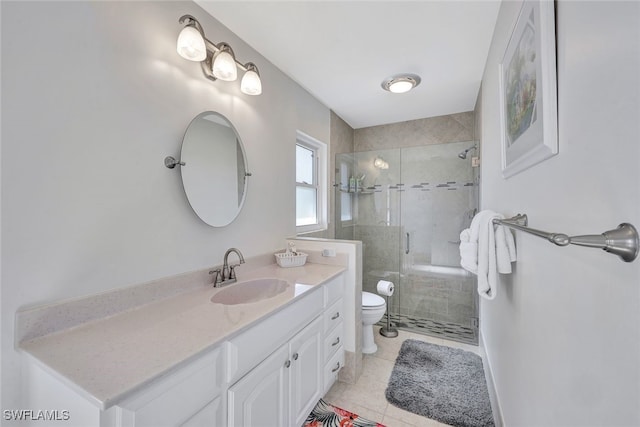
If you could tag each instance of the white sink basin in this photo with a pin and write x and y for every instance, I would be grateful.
(250, 291)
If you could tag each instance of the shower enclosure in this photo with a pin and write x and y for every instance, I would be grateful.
(408, 206)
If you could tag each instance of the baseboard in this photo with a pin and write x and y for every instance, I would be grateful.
(491, 386)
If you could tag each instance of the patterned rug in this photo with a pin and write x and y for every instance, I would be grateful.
(327, 415)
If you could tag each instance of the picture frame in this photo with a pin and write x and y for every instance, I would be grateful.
(528, 82)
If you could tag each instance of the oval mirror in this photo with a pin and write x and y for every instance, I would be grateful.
(214, 174)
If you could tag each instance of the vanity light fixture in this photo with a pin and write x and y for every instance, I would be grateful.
(224, 64)
(218, 62)
(401, 83)
(251, 84)
(191, 44)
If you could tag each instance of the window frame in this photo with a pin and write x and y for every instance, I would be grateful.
(320, 164)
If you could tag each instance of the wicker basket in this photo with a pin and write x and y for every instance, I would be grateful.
(291, 259)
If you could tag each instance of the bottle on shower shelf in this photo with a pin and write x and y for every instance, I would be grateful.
(352, 184)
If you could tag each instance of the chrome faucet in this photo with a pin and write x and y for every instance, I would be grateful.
(227, 275)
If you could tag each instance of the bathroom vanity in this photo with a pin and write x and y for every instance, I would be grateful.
(187, 361)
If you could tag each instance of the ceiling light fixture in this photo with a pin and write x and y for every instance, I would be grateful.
(401, 83)
(218, 62)
(380, 163)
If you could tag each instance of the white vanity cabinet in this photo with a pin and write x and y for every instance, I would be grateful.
(283, 389)
(333, 321)
(192, 396)
(272, 373)
(306, 371)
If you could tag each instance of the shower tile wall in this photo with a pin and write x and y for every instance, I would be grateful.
(438, 201)
(451, 300)
(432, 130)
(382, 261)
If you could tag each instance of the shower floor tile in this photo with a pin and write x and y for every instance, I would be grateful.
(446, 330)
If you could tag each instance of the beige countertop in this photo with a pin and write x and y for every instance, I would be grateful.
(106, 360)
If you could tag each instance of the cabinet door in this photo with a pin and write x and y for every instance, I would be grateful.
(210, 416)
(177, 397)
(306, 370)
(260, 398)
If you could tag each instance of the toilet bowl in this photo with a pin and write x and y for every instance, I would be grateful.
(373, 308)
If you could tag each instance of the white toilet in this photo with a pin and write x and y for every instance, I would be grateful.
(373, 308)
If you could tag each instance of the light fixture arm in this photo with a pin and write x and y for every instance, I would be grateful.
(250, 66)
(190, 20)
(206, 66)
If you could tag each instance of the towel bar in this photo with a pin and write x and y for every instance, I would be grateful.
(622, 241)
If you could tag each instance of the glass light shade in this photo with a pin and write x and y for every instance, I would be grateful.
(251, 84)
(401, 86)
(380, 164)
(191, 44)
(224, 67)
(401, 83)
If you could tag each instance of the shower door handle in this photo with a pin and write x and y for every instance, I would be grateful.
(408, 246)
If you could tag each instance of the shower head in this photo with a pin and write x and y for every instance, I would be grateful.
(463, 154)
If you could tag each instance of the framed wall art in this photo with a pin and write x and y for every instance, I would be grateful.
(528, 99)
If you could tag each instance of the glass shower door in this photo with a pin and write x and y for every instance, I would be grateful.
(439, 199)
(368, 209)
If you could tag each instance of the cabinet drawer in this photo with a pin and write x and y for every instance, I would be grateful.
(333, 290)
(333, 316)
(252, 346)
(177, 397)
(333, 342)
(332, 368)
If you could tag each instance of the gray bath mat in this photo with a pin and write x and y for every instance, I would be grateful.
(442, 383)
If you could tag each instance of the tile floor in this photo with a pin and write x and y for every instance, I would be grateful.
(366, 398)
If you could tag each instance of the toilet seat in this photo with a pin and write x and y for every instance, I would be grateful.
(371, 301)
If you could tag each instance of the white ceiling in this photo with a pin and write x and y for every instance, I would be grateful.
(341, 51)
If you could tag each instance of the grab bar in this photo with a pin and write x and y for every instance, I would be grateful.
(623, 241)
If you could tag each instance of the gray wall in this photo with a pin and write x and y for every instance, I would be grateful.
(94, 96)
(563, 334)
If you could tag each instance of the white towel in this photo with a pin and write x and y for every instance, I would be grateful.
(468, 252)
(505, 249)
(486, 250)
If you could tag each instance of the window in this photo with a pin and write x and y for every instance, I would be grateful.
(311, 184)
